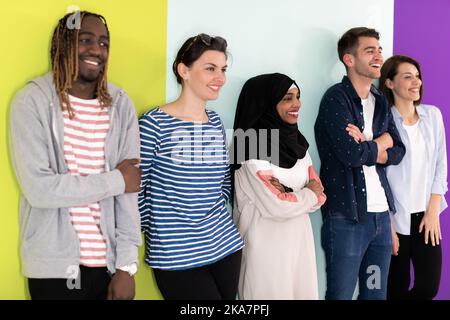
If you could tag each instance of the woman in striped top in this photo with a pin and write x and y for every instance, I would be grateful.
(191, 242)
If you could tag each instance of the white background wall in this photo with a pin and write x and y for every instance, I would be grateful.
(295, 37)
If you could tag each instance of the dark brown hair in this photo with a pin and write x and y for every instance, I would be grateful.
(349, 40)
(64, 58)
(390, 70)
(194, 47)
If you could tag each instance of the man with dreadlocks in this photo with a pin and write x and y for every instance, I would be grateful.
(74, 147)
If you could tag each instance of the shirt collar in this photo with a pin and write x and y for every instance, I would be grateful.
(420, 111)
(395, 113)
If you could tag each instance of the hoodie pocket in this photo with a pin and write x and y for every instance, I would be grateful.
(49, 234)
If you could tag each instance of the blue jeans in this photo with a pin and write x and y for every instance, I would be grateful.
(357, 251)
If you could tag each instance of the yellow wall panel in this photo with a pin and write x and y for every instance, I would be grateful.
(137, 64)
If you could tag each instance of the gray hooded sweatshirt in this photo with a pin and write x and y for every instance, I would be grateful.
(49, 245)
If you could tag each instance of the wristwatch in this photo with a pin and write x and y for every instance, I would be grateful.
(131, 269)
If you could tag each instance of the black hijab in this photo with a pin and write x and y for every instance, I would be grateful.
(256, 109)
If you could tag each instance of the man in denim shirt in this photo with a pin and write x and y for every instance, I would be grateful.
(357, 138)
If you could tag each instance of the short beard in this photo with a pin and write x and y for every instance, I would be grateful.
(90, 79)
(368, 74)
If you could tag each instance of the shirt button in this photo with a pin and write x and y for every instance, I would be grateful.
(363, 189)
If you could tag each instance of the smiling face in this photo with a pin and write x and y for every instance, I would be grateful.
(367, 60)
(206, 76)
(406, 83)
(289, 106)
(93, 49)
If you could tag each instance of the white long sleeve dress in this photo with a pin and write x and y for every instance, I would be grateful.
(278, 260)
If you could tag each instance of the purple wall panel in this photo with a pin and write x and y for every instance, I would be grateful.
(422, 31)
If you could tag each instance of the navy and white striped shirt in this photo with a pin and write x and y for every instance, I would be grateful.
(185, 187)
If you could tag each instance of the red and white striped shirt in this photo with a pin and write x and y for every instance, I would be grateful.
(84, 152)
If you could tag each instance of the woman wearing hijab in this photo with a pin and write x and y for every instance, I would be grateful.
(274, 194)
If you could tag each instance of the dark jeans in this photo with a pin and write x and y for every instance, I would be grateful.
(357, 251)
(93, 285)
(217, 281)
(426, 261)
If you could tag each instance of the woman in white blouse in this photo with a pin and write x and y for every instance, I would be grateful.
(418, 183)
(276, 188)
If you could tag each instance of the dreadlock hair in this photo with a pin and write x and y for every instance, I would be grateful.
(64, 58)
